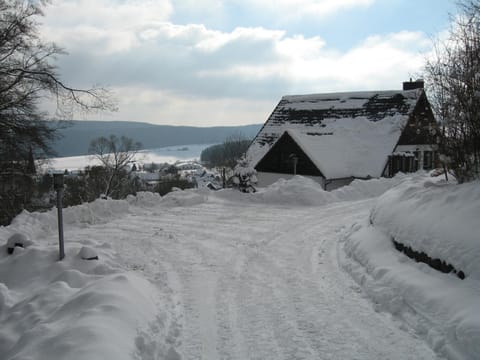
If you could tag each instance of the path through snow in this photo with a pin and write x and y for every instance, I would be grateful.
(250, 281)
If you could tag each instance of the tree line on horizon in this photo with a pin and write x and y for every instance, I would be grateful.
(226, 154)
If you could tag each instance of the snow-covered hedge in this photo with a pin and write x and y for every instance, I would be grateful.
(440, 220)
(434, 217)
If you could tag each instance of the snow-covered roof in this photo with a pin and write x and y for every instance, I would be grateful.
(344, 134)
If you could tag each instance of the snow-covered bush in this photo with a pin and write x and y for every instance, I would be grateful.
(244, 176)
(17, 239)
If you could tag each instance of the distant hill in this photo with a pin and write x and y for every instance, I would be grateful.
(76, 138)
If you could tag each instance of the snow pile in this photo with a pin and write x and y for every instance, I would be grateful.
(76, 308)
(73, 309)
(363, 189)
(303, 191)
(187, 197)
(88, 253)
(100, 211)
(17, 240)
(298, 190)
(436, 218)
(144, 199)
(38, 224)
(439, 219)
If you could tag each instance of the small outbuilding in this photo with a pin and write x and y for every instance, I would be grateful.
(335, 138)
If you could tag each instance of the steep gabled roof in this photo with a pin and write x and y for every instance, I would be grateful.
(344, 134)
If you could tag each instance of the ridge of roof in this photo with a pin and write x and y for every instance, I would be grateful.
(353, 94)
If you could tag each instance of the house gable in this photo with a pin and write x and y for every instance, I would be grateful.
(326, 113)
(421, 128)
(348, 135)
(280, 159)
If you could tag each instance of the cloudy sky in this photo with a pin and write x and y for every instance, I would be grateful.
(228, 62)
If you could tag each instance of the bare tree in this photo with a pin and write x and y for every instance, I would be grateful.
(28, 75)
(115, 154)
(453, 78)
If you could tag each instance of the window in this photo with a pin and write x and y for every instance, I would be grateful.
(428, 160)
(402, 163)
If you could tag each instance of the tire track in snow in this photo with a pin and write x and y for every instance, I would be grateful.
(258, 282)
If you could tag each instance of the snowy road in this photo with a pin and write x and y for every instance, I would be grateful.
(251, 281)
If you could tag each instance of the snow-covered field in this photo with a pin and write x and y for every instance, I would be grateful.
(290, 272)
(168, 154)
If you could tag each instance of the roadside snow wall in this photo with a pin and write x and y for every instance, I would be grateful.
(440, 220)
(436, 218)
(303, 191)
(74, 308)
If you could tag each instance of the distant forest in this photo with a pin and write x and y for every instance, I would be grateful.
(226, 154)
(76, 138)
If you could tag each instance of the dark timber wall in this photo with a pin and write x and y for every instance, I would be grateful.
(421, 128)
(279, 160)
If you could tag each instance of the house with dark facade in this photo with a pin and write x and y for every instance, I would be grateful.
(335, 138)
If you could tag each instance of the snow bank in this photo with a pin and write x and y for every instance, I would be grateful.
(100, 211)
(73, 309)
(302, 191)
(362, 189)
(145, 199)
(298, 190)
(439, 219)
(187, 197)
(77, 308)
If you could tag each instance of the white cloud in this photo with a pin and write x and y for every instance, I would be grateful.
(109, 14)
(214, 40)
(106, 25)
(377, 63)
(295, 9)
(308, 65)
(165, 72)
(163, 107)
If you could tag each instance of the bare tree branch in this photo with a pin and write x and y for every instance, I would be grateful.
(453, 79)
(28, 74)
(115, 154)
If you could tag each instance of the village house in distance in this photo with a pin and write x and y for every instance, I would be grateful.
(335, 138)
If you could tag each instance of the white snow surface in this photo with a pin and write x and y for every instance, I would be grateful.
(439, 219)
(352, 147)
(224, 275)
(344, 100)
(170, 154)
(434, 217)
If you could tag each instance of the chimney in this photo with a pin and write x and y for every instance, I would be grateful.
(411, 85)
